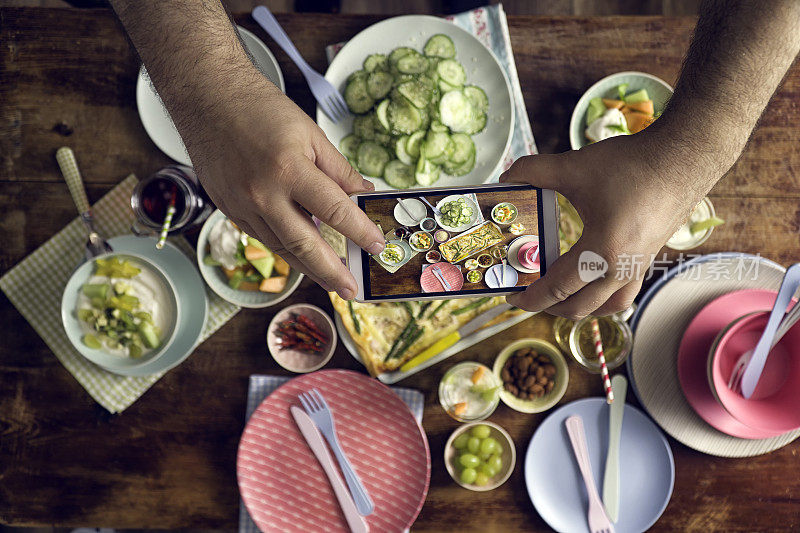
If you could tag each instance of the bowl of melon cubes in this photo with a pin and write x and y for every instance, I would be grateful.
(239, 268)
(624, 103)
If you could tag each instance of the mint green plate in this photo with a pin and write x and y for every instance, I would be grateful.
(218, 282)
(190, 299)
(658, 90)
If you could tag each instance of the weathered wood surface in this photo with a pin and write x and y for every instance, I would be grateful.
(68, 77)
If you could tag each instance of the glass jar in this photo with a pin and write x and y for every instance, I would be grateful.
(469, 391)
(617, 342)
(152, 195)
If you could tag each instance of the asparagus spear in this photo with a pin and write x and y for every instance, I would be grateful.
(403, 334)
(469, 307)
(423, 308)
(409, 341)
(436, 309)
(356, 323)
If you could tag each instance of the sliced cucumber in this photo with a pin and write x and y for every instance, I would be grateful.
(477, 124)
(436, 144)
(399, 175)
(414, 63)
(376, 62)
(451, 71)
(463, 148)
(440, 45)
(372, 158)
(445, 87)
(357, 97)
(398, 53)
(477, 98)
(416, 92)
(359, 74)
(429, 173)
(348, 147)
(401, 150)
(466, 167)
(404, 118)
(456, 112)
(381, 115)
(414, 142)
(379, 84)
(364, 126)
(438, 126)
(400, 79)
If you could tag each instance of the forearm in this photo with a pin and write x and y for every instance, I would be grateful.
(739, 54)
(192, 55)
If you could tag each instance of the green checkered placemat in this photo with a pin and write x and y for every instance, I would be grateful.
(36, 284)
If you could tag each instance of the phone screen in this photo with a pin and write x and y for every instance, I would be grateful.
(457, 242)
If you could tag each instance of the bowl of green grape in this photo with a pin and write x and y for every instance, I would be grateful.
(480, 456)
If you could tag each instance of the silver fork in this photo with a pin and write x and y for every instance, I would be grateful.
(317, 408)
(326, 94)
(598, 519)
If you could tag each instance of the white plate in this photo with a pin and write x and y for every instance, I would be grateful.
(659, 331)
(463, 344)
(413, 206)
(458, 229)
(482, 69)
(155, 117)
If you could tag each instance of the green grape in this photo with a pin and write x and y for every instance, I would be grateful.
(460, 442)
(486, 469)
(496, 462)
(481, 431)
(481, 479)
(468, 476)
(467, 460)
(485, 456)
(489, 445)
(474, 444)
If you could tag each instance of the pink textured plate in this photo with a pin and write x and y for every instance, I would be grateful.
(693, 357)
(297, 360)
(451, 273)
(283, 485)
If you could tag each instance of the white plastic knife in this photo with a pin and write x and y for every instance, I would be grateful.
(313, 437)
(611, 477)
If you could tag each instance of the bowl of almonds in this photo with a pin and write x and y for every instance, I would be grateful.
(534, 375)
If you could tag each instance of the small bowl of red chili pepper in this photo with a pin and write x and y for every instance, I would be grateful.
(301, 338)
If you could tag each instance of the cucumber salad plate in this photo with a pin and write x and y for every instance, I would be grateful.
(430, 105)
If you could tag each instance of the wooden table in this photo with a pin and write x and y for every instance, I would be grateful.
(68, 77)
(406, 279)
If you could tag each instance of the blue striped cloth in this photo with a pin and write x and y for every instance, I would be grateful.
(261, 386)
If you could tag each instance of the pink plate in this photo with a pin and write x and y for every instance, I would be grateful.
(693, 357)
(283, 485)
(430, 283)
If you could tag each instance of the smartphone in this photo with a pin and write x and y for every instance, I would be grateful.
(456, 242)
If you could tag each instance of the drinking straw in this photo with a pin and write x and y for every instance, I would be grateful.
(598, 349)
(162, 239)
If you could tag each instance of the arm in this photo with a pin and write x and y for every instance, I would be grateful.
(262, 160)
(631, 205)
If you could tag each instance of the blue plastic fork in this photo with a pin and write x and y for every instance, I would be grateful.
(327, 96)
(317, 408)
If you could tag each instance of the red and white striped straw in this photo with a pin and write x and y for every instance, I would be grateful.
(598, 349)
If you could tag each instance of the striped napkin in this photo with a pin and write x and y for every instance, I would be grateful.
(261, 386)
(50, 267)
(490, 26)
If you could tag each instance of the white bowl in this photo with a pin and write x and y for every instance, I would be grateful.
(482, 69)
(216, 279)
(658, 90)
(117, 363)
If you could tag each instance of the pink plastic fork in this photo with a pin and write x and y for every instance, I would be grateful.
(326, 94)
(598, 519)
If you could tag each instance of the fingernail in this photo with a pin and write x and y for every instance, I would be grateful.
(367, 184)
(346, 293)
(375, 248)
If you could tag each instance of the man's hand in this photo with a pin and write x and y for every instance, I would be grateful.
(262, 160)
(633, 192)
(629, 209)
(268, 167)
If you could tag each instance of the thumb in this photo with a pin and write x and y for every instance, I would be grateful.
(547, 171)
